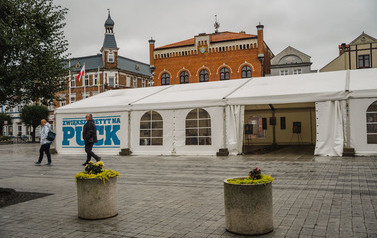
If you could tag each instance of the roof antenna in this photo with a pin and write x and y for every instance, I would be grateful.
(216, 25)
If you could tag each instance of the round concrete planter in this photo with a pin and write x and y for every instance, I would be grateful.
(248, 208)
(97, 200)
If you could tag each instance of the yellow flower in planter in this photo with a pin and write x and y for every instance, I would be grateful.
(93, 171)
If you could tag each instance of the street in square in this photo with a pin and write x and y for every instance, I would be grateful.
(182, 196)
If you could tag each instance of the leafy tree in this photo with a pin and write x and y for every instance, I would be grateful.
(32, 115)
(3, 118)
(32, 51)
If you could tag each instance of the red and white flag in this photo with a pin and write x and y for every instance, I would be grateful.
(82, 73)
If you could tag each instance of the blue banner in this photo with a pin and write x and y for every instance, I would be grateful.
(107, 132)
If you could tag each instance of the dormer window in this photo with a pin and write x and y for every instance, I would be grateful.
(110, 57)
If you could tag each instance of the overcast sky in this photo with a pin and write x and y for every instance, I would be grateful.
(315, 27)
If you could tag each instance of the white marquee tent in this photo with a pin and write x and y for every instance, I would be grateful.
(341, 100)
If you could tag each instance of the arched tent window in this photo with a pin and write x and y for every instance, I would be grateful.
(151, 129)
(372, 123)
(183, 77)
(198, 127)
(224, 73)
(246, 72)
(203, 75)
(165, 79)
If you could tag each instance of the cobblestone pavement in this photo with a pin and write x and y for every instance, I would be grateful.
(181, 196)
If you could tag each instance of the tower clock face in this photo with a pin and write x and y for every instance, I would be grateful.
(202, 49)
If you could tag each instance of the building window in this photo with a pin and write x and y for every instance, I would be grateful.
(203, 75)
(73, 97)
(297, 71)
(86, 80)
(198, 127)
(95, 79)
(364, 61)
(134, 82)
(165, 79)
(284, 72)
(282, 123)
(110, 57)
(151, 129)
(112, 81)
(62, 99)
(73, 82)
(224, 74)
(246, 72)
(143, 83)
(372, 123)
(184, 77)
(85, 95)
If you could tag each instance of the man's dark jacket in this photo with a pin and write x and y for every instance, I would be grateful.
(90, 132)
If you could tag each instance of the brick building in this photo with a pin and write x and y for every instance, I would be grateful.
(211, 57)
(114, 71)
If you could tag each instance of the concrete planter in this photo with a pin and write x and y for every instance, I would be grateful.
(248, 208)
(97, 200)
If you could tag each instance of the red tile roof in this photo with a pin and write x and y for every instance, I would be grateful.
(219, 37)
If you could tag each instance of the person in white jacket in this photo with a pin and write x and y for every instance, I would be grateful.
(45, 144)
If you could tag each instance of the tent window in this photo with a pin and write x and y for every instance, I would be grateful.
(198, 127)
(372, 123)
(246, 72)
(224, 74)
(165, 79)
(184, 77)
(151, 129)
(203, 75)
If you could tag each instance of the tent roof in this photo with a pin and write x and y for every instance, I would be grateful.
(303, 88)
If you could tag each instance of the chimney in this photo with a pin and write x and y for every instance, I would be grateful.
(151, 54)
(343, 48)
(260, 44)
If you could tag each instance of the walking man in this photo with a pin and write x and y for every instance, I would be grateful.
(45, 144)
(89, 134)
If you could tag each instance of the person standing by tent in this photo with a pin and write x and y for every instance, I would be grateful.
(45, 144)
(89, 134)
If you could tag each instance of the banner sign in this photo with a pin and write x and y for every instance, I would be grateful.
(108, 128)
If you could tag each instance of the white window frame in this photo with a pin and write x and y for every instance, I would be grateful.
(73, 82)
(86, 80)
(110, 57)
(94, 79)
(113, 77)
(284, 72)
(85, 95)
(297, 71)
(72, 98)
(134, 82)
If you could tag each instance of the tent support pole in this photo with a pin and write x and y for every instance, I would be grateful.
(223, 151)
(127, 151)
(274, 145)
(347, 150)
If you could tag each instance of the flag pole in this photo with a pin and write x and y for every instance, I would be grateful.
(84, 82)
(69, 81)
(98, 80)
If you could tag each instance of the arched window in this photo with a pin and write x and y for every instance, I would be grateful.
(224, 73)
(203, 75)
(198, 127)
(151, 129)
(184, 77)
(372, 123)
(246, 72)
(165, 79)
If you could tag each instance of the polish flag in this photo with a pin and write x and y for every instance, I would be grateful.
(82, 72)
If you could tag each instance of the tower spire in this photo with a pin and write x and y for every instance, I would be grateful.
(216, 25)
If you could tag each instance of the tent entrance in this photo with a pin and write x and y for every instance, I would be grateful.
(272, 126)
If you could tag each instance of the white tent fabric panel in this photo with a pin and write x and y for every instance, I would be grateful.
(329, 129)
(216, 114)
(190, 95)
(301, 88)
(358, 119)
(112, 131)
(234, 128)
(109, 101)
(168, 135)
(363, 83)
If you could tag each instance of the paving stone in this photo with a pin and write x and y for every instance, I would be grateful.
(182, 196)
